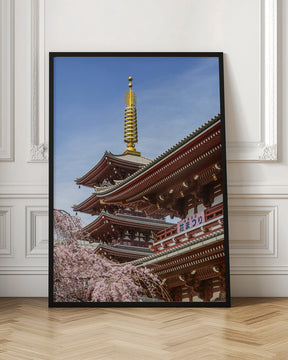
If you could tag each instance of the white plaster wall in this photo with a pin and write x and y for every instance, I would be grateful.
(245, 30)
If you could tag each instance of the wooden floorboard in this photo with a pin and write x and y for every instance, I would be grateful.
(253, 328)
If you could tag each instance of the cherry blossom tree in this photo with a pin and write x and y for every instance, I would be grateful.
(80, 275)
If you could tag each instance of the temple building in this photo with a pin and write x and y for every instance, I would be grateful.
(134, 195)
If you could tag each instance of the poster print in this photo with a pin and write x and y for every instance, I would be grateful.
(138, 200)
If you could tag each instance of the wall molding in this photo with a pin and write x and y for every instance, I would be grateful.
(257, 191)
(23, 190)
(259, 270)
(259, 220)
(39, 136)
(266, 149)
(262, 206)
(24, 270)
(5, 231)
(36, 231)
(7, 81)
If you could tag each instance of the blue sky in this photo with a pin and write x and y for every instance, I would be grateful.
(174, 97)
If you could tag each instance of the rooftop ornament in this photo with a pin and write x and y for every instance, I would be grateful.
(130, 122)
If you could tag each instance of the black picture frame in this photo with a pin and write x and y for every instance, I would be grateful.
(52, 57)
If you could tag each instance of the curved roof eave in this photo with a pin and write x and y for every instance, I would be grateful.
(124, 158)
(128, 219)
(79, 179)
(86, 201)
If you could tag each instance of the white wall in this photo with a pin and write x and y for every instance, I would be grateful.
(245, 30)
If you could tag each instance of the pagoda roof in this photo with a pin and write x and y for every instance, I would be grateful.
(181, 249)
(87, 204)
(155, 168)
(136, 222)
(123, 251)
(128, 163)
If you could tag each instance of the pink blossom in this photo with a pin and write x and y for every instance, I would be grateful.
(80, 275)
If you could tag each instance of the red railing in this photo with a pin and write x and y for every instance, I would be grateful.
(214, 212)
(173, 239)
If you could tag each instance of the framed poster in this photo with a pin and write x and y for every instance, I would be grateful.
(138, 190)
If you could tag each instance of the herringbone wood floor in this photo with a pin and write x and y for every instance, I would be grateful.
(255, 329)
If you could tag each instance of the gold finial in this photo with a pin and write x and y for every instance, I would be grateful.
(130, 122)
(130, 83)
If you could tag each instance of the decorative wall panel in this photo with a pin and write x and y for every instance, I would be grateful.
(266, 148)
(36, 231)
(253, 231)
(39, 142)
(7, 80)
(5, 231)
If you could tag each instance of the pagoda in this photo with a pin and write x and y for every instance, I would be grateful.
(123, 233)
(133, 195)
(186, 181)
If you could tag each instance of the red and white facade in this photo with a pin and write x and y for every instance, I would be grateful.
(184, 182)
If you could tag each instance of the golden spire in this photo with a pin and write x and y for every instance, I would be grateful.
(130, 122)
